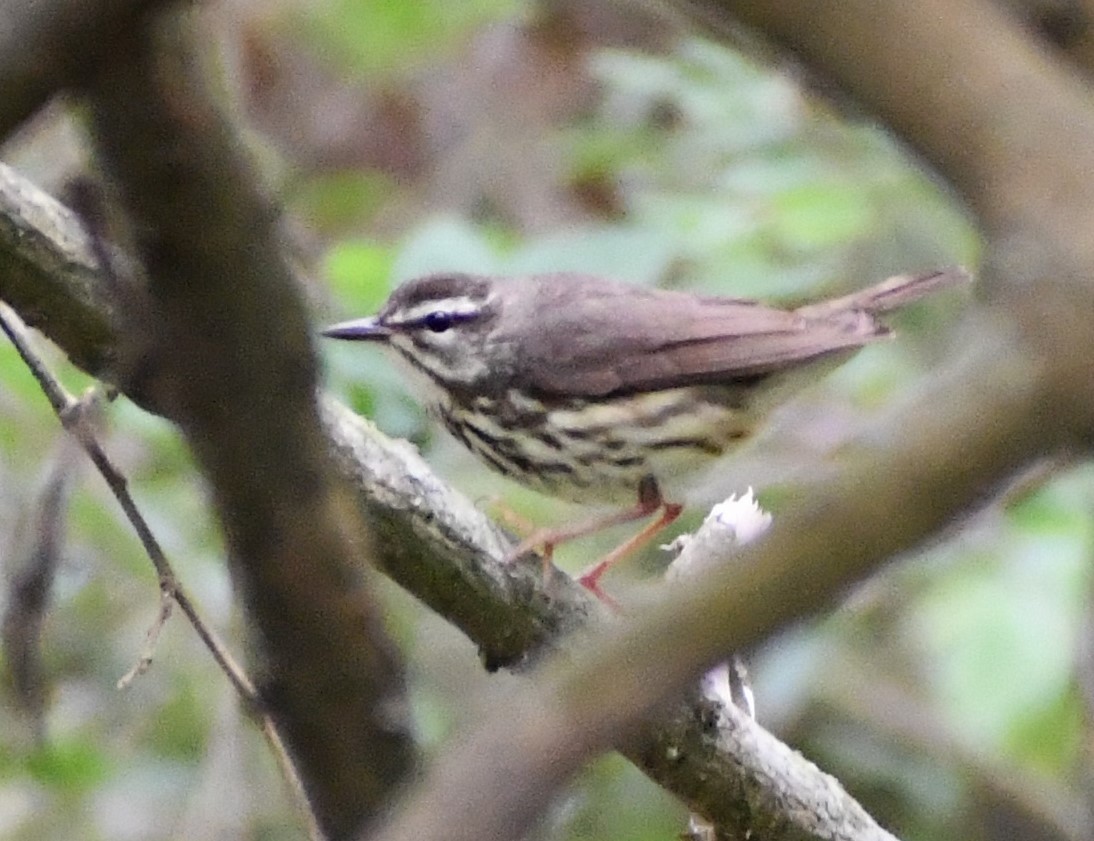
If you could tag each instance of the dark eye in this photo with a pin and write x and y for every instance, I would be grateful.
(438, 322)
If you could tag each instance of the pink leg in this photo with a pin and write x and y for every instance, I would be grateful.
(649, 500)
(590, 578)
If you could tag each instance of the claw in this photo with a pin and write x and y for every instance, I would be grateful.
(649, 500)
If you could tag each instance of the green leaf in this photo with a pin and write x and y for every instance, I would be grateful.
(820, 215)
(69, 765)
(335, 201)
(384, 37)
(180, 727)
(1001, 629)
(359, 273)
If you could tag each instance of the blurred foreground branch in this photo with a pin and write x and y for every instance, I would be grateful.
(1010, 129)
(46, 45)
(201, 347)
(443, 549)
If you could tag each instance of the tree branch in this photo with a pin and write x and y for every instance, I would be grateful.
(1029, 393)
(47, 45)
(73, 415)
(1013, 131)
(1010, 126)
(440, 547)
(224, 350)
(51, 276)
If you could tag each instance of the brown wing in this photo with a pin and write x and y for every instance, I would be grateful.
(586, 337)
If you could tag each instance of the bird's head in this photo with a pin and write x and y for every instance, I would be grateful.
(439, 323)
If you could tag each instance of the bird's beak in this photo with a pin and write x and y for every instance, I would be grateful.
(360, 330)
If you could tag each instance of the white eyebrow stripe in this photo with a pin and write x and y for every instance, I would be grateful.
(462, 305)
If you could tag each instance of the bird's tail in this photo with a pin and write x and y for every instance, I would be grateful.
(890, 294)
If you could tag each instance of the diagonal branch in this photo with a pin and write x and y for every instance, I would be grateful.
(984, 109)
(931, 462)
(442, 548)
(1020, 151)
(73, 416)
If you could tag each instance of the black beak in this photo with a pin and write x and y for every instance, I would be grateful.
(360, 330)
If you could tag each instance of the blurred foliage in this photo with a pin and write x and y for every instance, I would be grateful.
(674, 162)
(379, 39)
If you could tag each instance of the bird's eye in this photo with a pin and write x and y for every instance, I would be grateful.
(438, 322)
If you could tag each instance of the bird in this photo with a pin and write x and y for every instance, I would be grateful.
(605, 393)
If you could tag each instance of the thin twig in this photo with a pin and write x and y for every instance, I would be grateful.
(151, 640)
(74, 416)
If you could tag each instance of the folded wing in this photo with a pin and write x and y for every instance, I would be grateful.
(632, 339)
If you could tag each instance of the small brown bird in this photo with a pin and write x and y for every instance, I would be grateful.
(600, 392)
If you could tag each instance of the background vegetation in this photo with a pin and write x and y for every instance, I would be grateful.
(511, 136)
